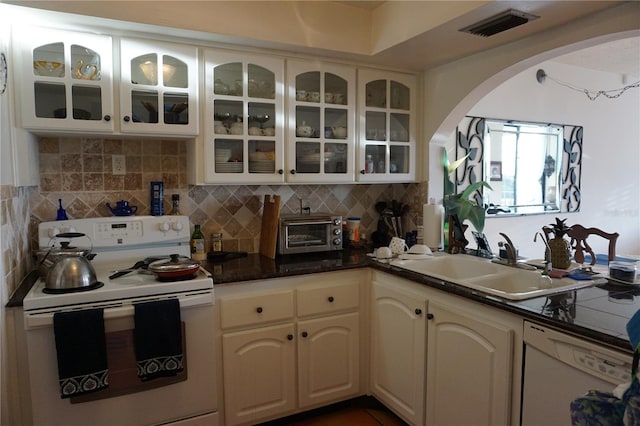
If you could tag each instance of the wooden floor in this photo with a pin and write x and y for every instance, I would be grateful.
(363, 411)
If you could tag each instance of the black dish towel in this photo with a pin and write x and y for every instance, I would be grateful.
(81, 351)
(158, 339)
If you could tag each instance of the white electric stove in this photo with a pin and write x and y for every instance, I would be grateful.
(120, 242)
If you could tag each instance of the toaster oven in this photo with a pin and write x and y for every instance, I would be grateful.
(308, 233)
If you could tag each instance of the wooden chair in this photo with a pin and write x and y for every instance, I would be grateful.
(579, 235)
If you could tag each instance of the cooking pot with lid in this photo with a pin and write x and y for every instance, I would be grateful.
(175, 268)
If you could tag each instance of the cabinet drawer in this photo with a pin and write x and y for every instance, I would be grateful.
(315, 300)
(256, 309)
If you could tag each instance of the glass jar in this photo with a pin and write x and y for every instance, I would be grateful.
(175, 205)
(216, 242)
(623, 271)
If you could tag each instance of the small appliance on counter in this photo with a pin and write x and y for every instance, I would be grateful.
(306, 233)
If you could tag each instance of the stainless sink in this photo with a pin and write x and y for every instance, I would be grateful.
(491, 278)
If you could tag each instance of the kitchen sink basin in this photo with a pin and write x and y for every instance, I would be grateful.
(450, 267)
(491, 278)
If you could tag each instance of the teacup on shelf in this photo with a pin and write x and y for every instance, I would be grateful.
(304, 131)
(301, 95)
(339, 132)
(269, 131)
(255, 131)
(220, 129)
(313, 96)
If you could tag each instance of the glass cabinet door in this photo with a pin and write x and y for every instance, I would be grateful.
(244, 121)
(387, 146)
(322, 123)
(70, 84)
(159, 88)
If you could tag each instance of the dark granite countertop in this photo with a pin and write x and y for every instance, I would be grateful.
(598, 313)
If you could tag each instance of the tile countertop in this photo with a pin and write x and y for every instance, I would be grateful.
(598, 313)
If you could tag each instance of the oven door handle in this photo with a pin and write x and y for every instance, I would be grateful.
(315, 222)
(112, 311)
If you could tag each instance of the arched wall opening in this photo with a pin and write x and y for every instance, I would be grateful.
(453, 90)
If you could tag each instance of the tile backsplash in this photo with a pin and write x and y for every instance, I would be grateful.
(14, 227)
(78, 172)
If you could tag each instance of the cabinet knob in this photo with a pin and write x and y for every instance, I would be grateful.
(292, 171)
(107, 118)
(305, 334)
(430, 316)
(127, 118)
(289, 336)
(418, 311)
(362, 172)
(259, 309)
(330, 299)
(280, 171)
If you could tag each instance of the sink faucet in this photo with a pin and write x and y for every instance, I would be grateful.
(512, 254)
(547, 250)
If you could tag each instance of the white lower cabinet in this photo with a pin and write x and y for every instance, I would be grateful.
(259, 373)
(439, 359)
(469, 368)
(289, 345)
(328, 359)
(398, 344)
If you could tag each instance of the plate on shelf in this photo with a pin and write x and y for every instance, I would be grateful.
(229, 167)
(262, 167)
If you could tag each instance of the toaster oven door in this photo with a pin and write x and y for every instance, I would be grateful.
(305, 236)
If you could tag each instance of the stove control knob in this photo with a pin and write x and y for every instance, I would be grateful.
(337, 222)
(164, 227)
(337, 231)
(337, 241)
(178, 226)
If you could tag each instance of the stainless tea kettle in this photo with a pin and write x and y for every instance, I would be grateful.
(67, 268)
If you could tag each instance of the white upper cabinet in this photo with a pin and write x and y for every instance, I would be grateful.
(321, 130)
(158, 88)
(386, 109)
(66, 82)
(244, 118)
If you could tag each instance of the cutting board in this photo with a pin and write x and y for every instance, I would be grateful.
(269, 230)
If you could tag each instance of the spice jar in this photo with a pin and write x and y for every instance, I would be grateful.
(216, 242)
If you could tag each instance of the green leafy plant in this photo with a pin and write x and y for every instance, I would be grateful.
(461, 204)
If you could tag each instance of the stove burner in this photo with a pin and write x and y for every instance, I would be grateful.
(93, 286)
(169, 280)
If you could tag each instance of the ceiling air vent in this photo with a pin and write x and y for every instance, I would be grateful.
(499, 23)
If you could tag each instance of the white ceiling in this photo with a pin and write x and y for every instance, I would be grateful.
(620, 56)
(432, 35)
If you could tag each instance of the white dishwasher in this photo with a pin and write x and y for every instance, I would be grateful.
(559, 367)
